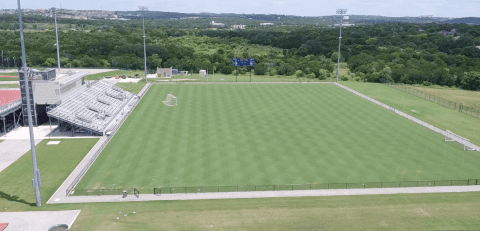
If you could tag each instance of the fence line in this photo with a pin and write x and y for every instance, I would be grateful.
(465, 143)
(104, 144)
(439, 100)
(291, 187)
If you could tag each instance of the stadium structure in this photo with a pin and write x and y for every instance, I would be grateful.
(66, 98)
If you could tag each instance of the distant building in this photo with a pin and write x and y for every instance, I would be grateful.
(238, 27)
(267, 24)
(217, 25)
(447, 33)
(344, 24)
(164, 72)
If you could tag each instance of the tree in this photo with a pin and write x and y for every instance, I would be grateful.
(50, 62)
(299, 73)
(154, 61)
(334, 57)
(471, 81)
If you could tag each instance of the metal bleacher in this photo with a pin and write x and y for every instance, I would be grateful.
(93, 106)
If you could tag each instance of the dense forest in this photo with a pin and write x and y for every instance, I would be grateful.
(443, 54)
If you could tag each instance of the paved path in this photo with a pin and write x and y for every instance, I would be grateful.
(43, 132)
(41, 221)
(263, 194)
(62, 190)
(11, 150)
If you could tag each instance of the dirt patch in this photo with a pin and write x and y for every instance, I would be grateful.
(382, 223)
(421, 211)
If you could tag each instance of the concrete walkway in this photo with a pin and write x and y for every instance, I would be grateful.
(43, 132)
(263, 194)
(12, 149)
(37, 221)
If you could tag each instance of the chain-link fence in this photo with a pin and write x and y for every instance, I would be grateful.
(253, 188)
(433, 98)
(104, 144)
(458, 139)
(104, 192)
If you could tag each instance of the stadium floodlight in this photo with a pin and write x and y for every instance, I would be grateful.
(143, 9)
(56, 36)
(36, 173)
(341, 12)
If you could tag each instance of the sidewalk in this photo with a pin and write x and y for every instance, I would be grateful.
(37, 221)
(262, 194)
(12, 149)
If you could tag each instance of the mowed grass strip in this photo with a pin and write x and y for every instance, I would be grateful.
(432, 113)
(9, 86)
(55, 162)
(268, 134)
(467, 98)
(8, 79)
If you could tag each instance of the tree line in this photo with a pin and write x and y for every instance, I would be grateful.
(399, 52)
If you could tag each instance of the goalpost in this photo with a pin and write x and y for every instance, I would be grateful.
(450, 136)
(171, 100)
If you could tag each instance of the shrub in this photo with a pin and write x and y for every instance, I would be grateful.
(311, 76)
(344, 78)
(356, 79)
(426, 83)
(299, 73)
(272, 72)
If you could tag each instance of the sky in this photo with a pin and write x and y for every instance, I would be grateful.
(394, 8)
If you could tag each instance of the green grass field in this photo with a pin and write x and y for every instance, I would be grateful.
(115, 73)
(8, 79)
(432, 113)
(245, 78)
(9, 74)
(9, 86)
(467, 98)
(270, 134)
(454, 211)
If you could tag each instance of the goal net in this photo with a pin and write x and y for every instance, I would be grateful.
(450, 136)
(171, 100)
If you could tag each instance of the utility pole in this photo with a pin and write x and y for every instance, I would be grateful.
(144, 8)
(341, 12)
(36, 173)
(56, 35)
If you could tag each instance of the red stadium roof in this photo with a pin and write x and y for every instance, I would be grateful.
(8, 96)
(3, 226)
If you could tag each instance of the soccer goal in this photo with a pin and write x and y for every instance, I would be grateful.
(450, 136)
(171, 100)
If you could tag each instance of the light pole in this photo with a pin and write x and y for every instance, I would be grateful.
(56, 36)
(36, 173)
(341, 12)
(3, 66)
(143, 9)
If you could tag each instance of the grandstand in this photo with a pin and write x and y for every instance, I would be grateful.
(93, 107)
(10, 109)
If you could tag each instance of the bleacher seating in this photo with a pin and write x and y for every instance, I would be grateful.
(93, 107)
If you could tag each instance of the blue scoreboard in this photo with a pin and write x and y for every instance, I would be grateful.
(237, 62)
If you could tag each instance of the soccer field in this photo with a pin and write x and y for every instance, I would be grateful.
(264, 134)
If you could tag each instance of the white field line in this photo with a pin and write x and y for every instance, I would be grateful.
(102, 143)
(267, 194)
(295, 193)
(427, 125)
